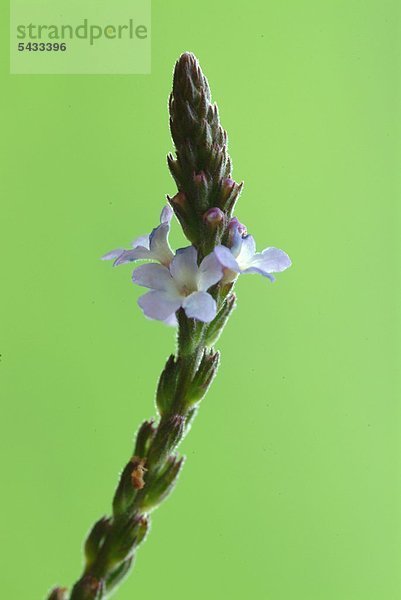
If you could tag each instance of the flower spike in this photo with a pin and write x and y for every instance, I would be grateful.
(191, 287)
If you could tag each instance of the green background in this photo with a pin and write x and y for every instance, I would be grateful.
(291, 489)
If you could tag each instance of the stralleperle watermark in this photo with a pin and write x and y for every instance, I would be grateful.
(86, 37)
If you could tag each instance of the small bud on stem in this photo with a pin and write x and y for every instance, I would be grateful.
(213, 217)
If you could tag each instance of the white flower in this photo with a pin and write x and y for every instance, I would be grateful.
(182, 285)
(243, 258)
(154, 246)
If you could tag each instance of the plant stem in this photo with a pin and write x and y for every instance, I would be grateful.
(112, 548)
(202, 172)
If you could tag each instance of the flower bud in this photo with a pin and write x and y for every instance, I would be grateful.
(213, 217)
(217, 325)
(200, 195)
(186, 216)
(161, 487)
(169, 433)
(144, 438)
(175, 169)
(230, 191)
(203, 377)
(88, 588)
(179, 199)
(118, 574)
(167, 385)
(95, 540)
(125, 492)
(131, 534)
(200, 179)
(227, 187)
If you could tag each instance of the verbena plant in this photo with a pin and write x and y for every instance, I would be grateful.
(191, 288)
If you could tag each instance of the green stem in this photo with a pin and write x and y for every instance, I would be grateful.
(114, 549)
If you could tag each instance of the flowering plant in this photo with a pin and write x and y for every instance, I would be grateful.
(191, 288)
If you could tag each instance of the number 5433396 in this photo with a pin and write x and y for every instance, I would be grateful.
(42, 47)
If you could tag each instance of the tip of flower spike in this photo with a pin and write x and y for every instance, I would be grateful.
(188, 73)
(186, 66)
(187, 59)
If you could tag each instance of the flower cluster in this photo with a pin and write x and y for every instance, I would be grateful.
(177, 280)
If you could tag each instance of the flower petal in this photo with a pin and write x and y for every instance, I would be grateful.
(201, 306)
(159, 305)
(259, 272)
(138, 253)
(247, 252)
(171, 321)
(272, 260)
(237, 230)
(184, 268)
(210, 272)
(113, 254)
(155, 277)
(142, 240)
(158, 244)
(148, 247)
(226, 259)
(166, 214)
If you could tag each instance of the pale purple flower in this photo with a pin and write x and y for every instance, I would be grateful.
(243, 258)
(183, 285)
(148, 247)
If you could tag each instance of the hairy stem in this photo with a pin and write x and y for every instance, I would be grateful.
(110, 549)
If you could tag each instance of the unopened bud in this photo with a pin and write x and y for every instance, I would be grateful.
(200, 179)
(203, 377)
(185, 215)
(88, 588)
(227, 187)
(118, 574)
(179, 199)
(167, 385)
(95, 540)
(130, 482)
(143, 529)
(169, 434)
(213, 217)
(217, 325)
(229, 194)
(144, 438)
(164, 484)
(130, 536)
